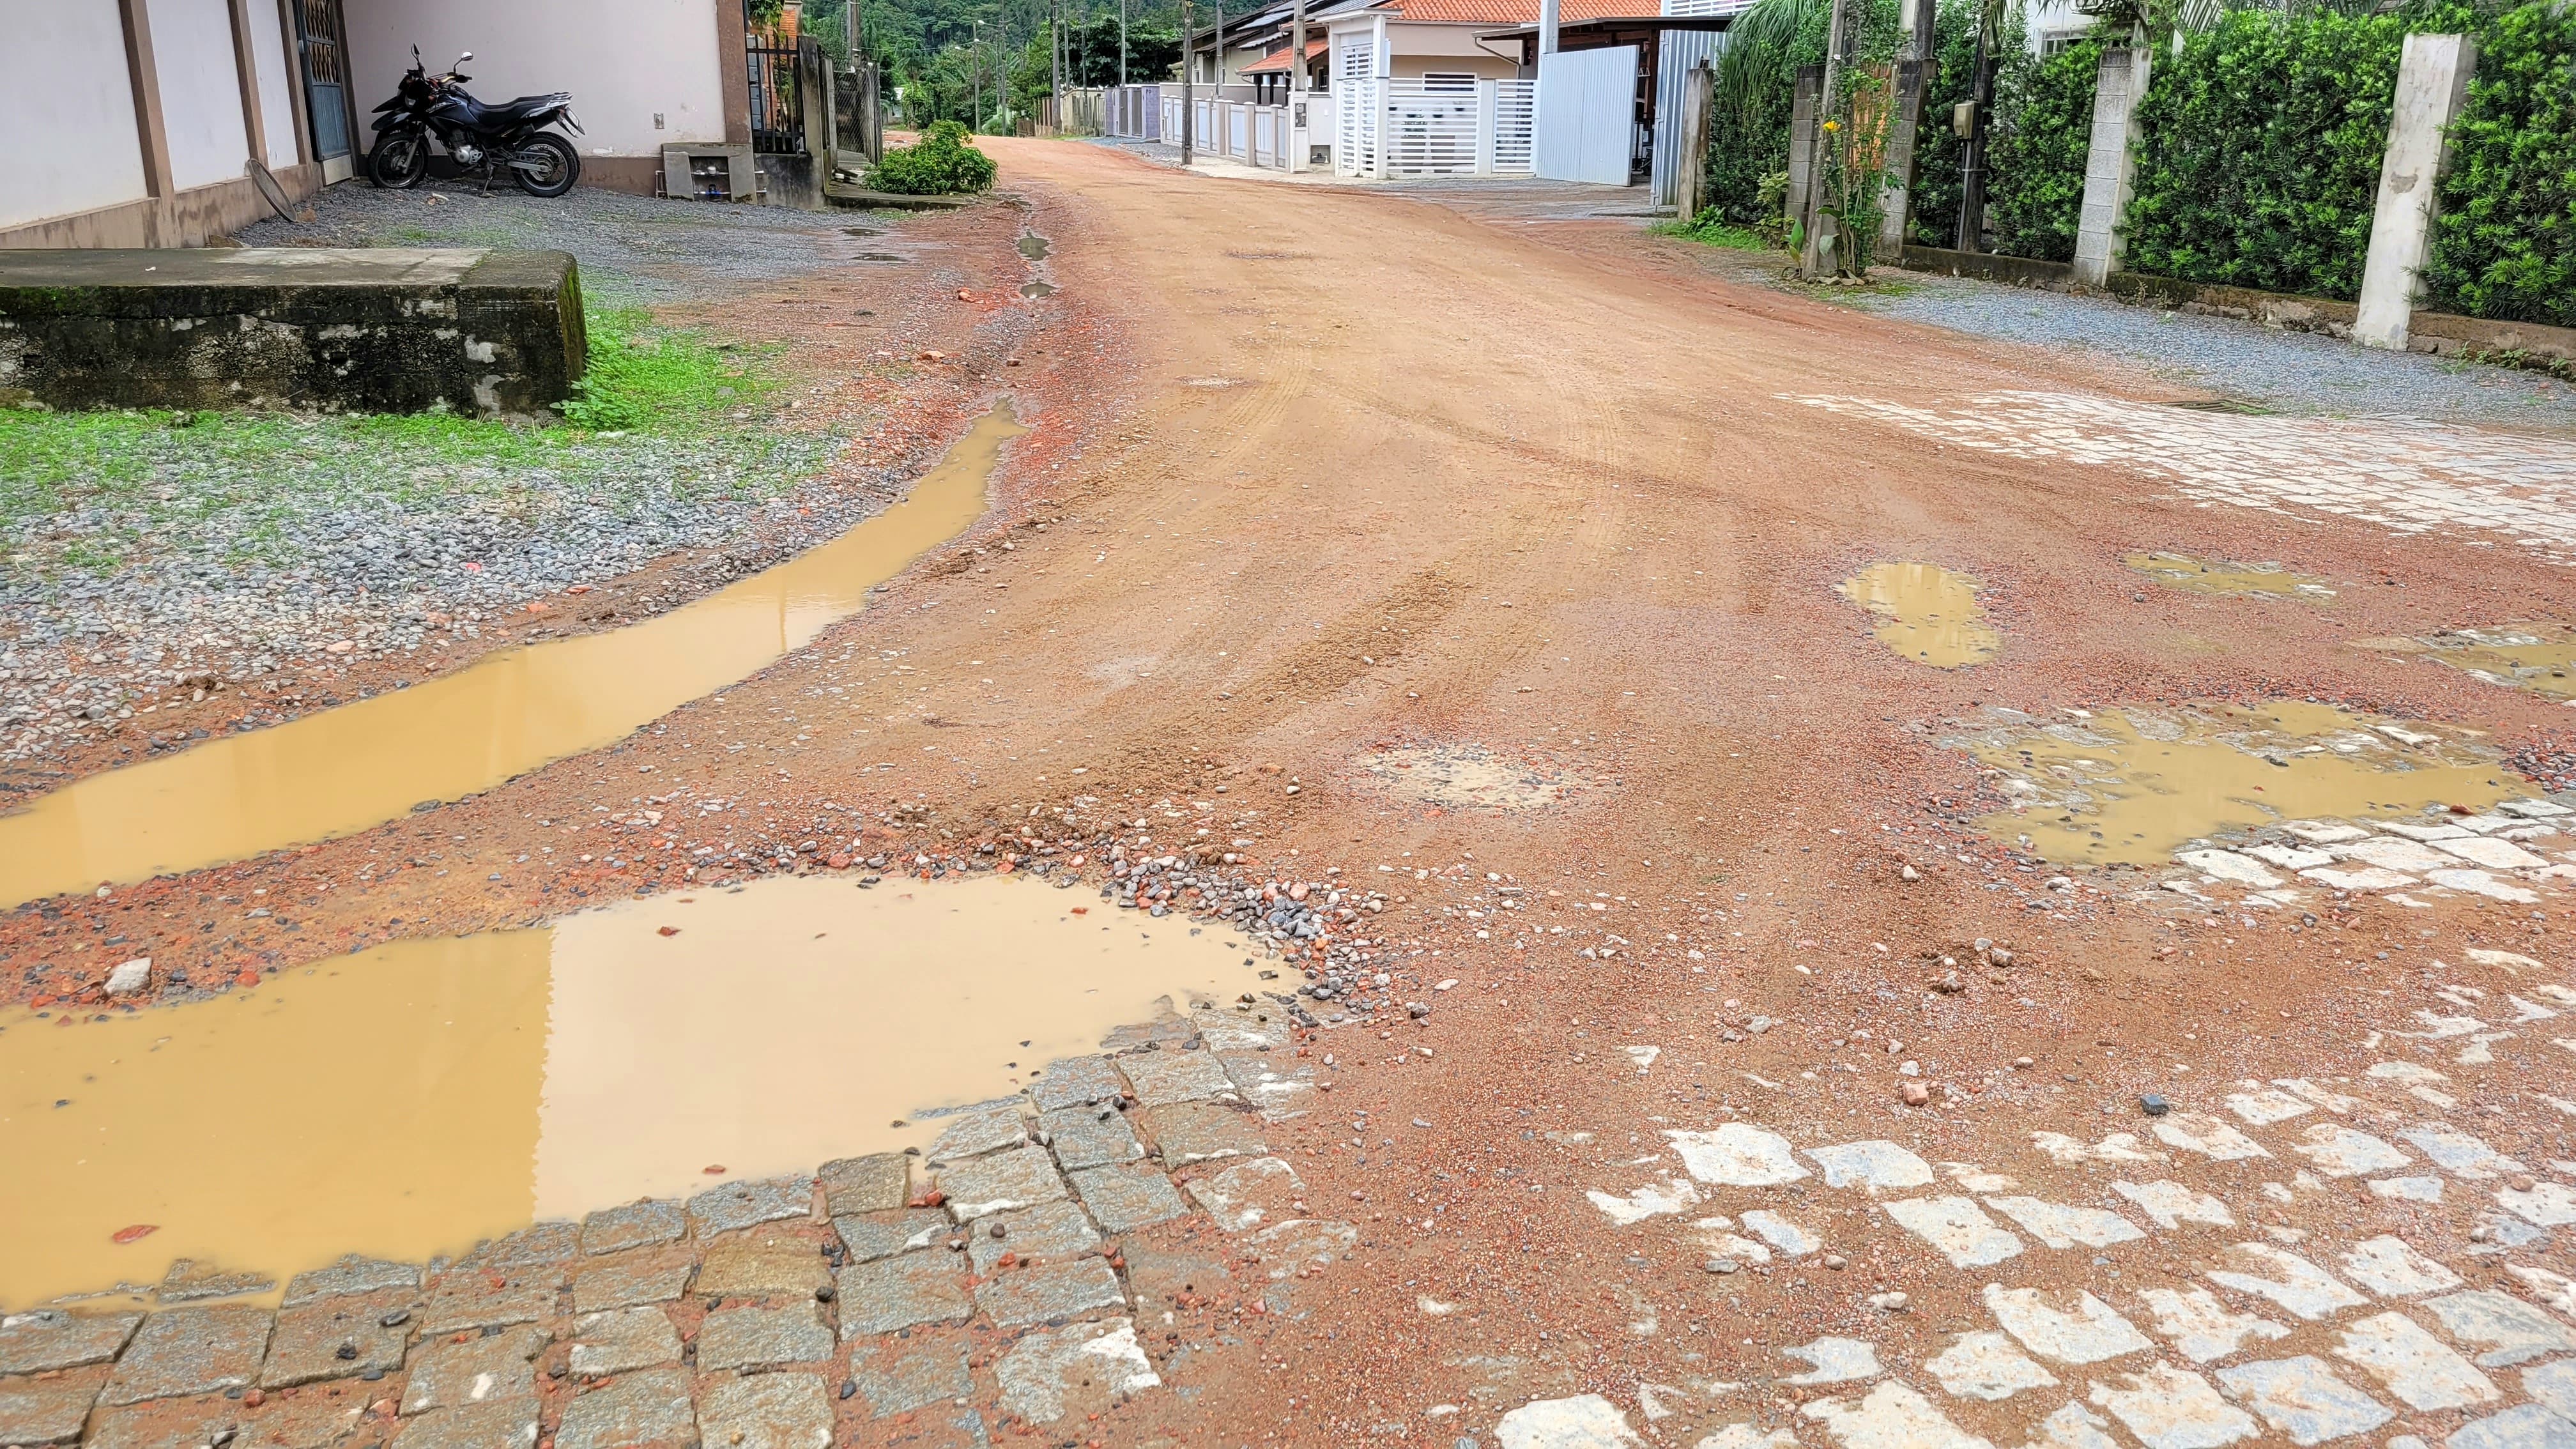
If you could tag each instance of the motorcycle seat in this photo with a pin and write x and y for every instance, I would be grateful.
(522, 109)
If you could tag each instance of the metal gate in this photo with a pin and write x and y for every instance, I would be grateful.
(771, 62)
(326, 80)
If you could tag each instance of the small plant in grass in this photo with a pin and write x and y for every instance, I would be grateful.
(943, 163)
(1711, 228)
(640, 375)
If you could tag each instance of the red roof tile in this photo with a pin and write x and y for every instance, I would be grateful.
(1513, 12)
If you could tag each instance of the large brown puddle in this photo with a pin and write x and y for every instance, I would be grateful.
(411, 1099)
(2131, 787)
(1925, 613)
(345, 769)
(2538, 657)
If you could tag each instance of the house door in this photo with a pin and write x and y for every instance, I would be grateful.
(326, 83)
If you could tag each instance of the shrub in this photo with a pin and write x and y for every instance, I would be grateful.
(942, 163)
(2044, 131)
(2505, 244)
(2258, 165)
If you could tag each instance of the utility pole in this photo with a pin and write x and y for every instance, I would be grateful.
(1122, 42)
(1189, 65)
(1972, 164)
(1821, 256)
(1297, 50)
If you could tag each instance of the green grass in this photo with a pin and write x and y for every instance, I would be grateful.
(663, 414)
(1711, 232)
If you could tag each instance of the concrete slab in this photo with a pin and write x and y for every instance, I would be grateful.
(50, 1410)
(1082, 1367)
(53, 1338)
(1050, 1292)
(877, 1235)
(335, 1338)
(738, 1205)
(1049, 1231)
(382, 329)
(632, 1278)
(448, 1375)
(762, 1338)
(879, 1182)
(900, 1292)
(898, 1376)
(650, 1408)
(1093, 1136)
(768, 1411)
(623, 1341)
(498, 1424)
(1124, 1199)
(190, 1351)
(636, 1225)
(352, 1274)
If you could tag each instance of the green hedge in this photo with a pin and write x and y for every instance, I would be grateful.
(2258, 159)
(2044, 112)
(2505, 244)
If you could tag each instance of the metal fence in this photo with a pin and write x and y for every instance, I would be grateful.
(1407, 126)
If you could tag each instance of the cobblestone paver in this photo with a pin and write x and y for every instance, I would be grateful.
(983, 1285)
(2405, 476)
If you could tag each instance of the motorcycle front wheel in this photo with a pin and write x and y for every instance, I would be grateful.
(547, 165)
(399, 161)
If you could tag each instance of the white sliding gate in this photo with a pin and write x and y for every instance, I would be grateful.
(1408, 126)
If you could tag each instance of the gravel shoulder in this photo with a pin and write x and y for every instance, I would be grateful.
(234, 569)
(2276, 370)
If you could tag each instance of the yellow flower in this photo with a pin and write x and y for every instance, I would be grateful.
(1833, 125)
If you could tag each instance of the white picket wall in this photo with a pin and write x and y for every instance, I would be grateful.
(1431, 128)
(1355, 113)
(1515, 117)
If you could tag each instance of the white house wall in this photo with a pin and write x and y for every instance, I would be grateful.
(1415, 49)
(623, 60)
(276, 88)
(201, 108)
(68, 108)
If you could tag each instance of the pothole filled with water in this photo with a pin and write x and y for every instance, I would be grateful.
(2540, 658)
(1925, 613)
(348, 768)
(414, 1098)
(2217, 576)
(1459, 777)
(2133, 786)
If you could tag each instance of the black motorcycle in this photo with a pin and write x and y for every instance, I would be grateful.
(477, 136)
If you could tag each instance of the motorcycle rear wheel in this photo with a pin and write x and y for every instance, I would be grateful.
(556, 165)
(399, 161)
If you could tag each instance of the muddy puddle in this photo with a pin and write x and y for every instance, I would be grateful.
(2540, 658)
(417, 1097)
(357, 765)
(2218, 576)
(2132, 786)
(1925, 613)
(1033, 246)
(1037, 289)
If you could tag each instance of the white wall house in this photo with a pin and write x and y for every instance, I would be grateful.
(137, 122)
(644, 74)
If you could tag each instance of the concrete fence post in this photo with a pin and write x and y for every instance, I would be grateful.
(2110, 164)
(1804, 103)
(2432, 84)
(1488, 98)
(1690, 177)
(1896, 201)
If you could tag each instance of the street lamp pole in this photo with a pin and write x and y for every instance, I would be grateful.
(1189, 66)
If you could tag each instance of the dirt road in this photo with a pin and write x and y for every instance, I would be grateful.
(1496, 566)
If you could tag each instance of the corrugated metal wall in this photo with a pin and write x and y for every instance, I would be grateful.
(1682, 50)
